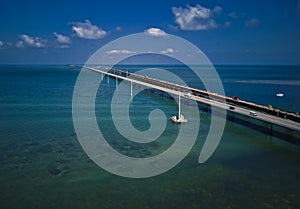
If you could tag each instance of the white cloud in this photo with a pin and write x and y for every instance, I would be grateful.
(62, 39)
(233, 15)
(227, 24)
(20, 44)
(88, 31)
(118, 28)
(64, 46)
(29, 41)
(236, 15)
(155, 32)
(252, 23)
(120, 51)
(217, 10)
(167, 51)
(1, 43)
(195, 18)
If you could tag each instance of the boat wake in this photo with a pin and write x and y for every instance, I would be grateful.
(270, 82)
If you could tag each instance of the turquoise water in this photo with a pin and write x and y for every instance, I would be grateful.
(44, 166)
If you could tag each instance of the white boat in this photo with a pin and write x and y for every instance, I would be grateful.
(180, 118)
(280, 94)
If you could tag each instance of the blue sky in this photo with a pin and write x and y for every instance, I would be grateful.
(228, 32)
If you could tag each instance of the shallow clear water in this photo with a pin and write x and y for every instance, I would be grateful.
(44, 166)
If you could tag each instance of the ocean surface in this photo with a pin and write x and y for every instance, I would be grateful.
(44, 166)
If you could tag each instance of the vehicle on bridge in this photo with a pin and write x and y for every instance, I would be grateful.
(253, 113)
(236, 98)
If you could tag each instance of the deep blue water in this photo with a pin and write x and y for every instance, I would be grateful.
(44, 166)
(260, 84)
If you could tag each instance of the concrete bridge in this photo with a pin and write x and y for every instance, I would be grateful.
(272, 116)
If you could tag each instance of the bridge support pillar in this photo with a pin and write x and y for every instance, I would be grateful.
(130, 88)
(116, 83)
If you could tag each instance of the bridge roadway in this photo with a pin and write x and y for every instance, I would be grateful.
(209, 101)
